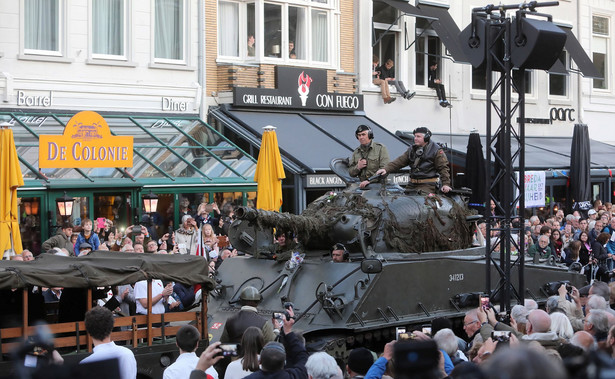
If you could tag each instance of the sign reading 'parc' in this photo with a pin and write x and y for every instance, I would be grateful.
(87, 142)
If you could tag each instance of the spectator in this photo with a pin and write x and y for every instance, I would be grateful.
(209, 238)
(187, 340)
(152, 246)
(571, 254)
(417, 359)
(186, 294)
(252, 343)
(556, 243)
(84, 249)
(597, 324)
(52, 295)
(160, 296)
(276, 362)
(27, 255)
(540, 249)
(447, 342)
(99, 324)
(596, 230)
(583, 227)
(108, 228)
(436, 84)
(560, 325)
(87, 236)
(236, 325)
(322, 366)
(186, 236)
(523, 362)
(138, 247)
(383, 84)
(62, 239)
(387, 73)
(518, 317)
(251, 49)
(359, 362)
(471, 325)
(599, 256)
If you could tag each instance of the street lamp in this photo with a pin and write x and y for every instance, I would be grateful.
(65, 205)
(150, 202)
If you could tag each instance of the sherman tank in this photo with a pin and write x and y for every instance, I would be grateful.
(410, 260)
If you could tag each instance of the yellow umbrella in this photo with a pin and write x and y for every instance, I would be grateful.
(269, 172)
(10, 179)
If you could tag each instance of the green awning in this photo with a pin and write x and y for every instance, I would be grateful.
(168, 149)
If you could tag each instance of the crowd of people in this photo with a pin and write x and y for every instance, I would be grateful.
(584, 243)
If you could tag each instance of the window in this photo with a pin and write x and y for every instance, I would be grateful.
(600, 43)
(108, 27)
(517, 78)
(385, 18)
(320, 35)
(169, 33)
(479, 78)
(297, 33)
(228, 19)
(284, 32)
(558, 84)
(42, 31)
(428, 51)
(273, 30)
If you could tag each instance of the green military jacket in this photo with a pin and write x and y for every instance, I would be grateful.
(377, 157)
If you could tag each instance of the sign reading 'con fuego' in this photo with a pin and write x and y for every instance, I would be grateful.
(86, 142)
(298, 88)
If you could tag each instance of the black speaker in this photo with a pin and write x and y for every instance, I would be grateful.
(538, 45)
(475, 46)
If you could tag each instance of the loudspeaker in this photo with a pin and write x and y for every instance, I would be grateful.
(537, 45)
(475, 47)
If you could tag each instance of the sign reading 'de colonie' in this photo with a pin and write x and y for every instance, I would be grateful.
(298, 88)
(86, 142)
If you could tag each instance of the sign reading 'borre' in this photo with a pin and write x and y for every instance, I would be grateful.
(87, 142)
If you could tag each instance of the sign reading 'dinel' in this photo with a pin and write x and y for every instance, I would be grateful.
(86, 142)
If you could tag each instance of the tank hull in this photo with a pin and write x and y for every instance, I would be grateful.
(338, 299)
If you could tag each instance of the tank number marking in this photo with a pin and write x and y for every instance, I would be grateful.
(455, 277)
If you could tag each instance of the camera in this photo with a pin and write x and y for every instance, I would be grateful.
(136, 230)
(568, 288)
(500, 336)
(426, 330)
(228, 350)
(400, 334)
(484, 302)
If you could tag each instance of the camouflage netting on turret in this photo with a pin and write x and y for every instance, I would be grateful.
(426, 236)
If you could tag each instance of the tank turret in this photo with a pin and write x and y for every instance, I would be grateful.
(380, 218)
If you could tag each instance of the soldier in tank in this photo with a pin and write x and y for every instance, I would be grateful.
(427, 161)
(249, 298)
(368, 157)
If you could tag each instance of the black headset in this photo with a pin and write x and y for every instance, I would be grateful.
(426, 133)
(340, 246)
(362, 128)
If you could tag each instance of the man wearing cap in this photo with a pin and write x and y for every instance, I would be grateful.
(427, 161)
(249, 298)
(368, 157)
(84, 249)
(186, 236)
(61, 240)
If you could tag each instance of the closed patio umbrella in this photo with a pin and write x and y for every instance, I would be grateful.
(269, 172)
(10, 179)
(580, 165)
(475, 172)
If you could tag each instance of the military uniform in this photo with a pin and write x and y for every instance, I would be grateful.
(426, 164)
(237, 324)
(377, 157)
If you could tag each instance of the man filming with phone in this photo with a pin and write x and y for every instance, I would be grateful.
(284, 360)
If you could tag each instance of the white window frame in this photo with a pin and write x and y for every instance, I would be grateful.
(607, 39)
(126, 33)
(425, 34)
(186, 37)
(61, 52)
(332, 27)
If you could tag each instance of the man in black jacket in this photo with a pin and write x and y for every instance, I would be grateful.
(234, 327)
(387, 72)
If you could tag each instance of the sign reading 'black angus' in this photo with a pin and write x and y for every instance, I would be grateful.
(298, 88)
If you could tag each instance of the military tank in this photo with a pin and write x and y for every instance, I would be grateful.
(410, 260)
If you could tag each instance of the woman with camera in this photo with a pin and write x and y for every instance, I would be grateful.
(252, 343)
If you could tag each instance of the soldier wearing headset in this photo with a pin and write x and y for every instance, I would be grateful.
(368, 157)
(427, 161)
(339, 253)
